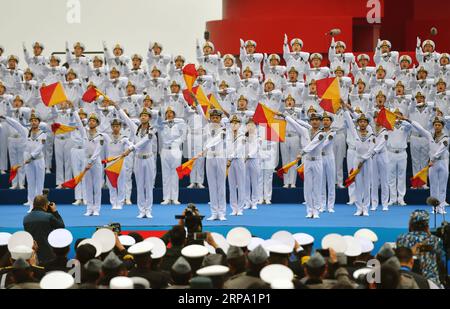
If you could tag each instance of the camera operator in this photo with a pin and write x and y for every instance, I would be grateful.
(40, 222)
(428, 248)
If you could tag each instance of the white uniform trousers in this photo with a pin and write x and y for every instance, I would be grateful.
(351, 153)
(78, 160)
(35, 172)
(419, 153)
(63, 145)
(236, 184)
(128, 165)
(252, 187)
(380, 180)
(198, 171)
(16, 147)
(144, 170)
(216, 174)
(328, 182)
(362, 187)
(265, 183)
(339, 148)
(289, 152)
(4, 132)
(117, 195)
(170, 160)
(312, 187)
(397, 176)
(438, 182)
(93, 181)
(48, 150)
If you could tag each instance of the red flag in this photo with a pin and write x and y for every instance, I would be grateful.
(190, 74)
(91, 95)
(285, 169)
(329, 91)
(386, 119)
(352, 177)
(301, 172)
(13, 172)
(420, 179)
(113, 172)
(186, 168)
(275, 128)
(72, 183)
(53, 94)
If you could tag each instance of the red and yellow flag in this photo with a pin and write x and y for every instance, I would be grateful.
(186, 168)
(113, 172)
(190, 74)
(352, 177)
(92, 94)
(420, 179)
(301, 172)
(275, 128)
(110, 159)
(214, 102)
(285, 169)
(330, 93)
(13, 172)
(72, 183)
(386, 119)
(53, 94)
(58, 128)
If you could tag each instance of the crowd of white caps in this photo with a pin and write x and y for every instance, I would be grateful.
(239, 242)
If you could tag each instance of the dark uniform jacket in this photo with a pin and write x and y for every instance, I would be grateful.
(40, 224)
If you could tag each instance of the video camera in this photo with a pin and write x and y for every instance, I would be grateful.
(193, 222)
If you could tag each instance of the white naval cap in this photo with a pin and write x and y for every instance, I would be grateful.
(335, 242)
(79, 44)
(127, 240)
(57, 280)
(282, 284)
(386, 43)
(20, 238)
(316, 56)
(106, 237)
(297, 41)
(21, 252)
(221, 242)
(229, 56)
(428, 42)
(255, 242)
(249, 43)
(39, 44)
(342, 44)
(274, 56)
(353, 246)
(4, 238)
(363, 57)
(303, 239)
(367, 233)
(137, 56)
(121, 283)
(406, 58)
(141, 248)
(366, 245)
(60, 238)
(93, 242)
(213, 270)
(194, 251)
(159, 247)
(285, 238)
(208, 44)
(274, 272)
(239, 237)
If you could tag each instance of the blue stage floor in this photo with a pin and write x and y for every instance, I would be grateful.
(262, 222)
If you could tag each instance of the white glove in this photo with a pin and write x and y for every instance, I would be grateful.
(285, 38)
(242, 42)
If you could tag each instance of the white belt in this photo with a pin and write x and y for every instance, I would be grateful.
(62, 137)
(393, 150)
(144, 156)
(313, 158)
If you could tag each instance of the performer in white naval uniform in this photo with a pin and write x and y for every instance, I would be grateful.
(329, 166)
(78, 62)
(207, 59)
(193, 145)
(379, 170)
(296, 58)
(312, 158)
(117, 144)
(398, 160)
(364, 144)
(34, 163)
(5, 101)
(253, 190)
(439, 160)
(171, 133)
(236, 165)
(38, 62)
(144, 165)
(78, 155)
(94, 176)
(249, 58)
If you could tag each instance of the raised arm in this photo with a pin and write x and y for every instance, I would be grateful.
(416, 126)
(301, 130)
(350, 124)
(23, 132)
